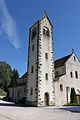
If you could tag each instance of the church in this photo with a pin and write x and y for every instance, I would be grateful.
(67, 76)
(46, 82)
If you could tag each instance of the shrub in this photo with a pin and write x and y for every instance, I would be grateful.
(2, 93)
(73, 96)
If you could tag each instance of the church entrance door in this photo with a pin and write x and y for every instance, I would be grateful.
(78, 99)
(68, 94)
(46, 99)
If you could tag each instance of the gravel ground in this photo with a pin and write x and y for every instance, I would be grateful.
(9, 112)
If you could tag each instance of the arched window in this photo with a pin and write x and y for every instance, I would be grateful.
(46, 55)
(71, 74)
(46, 99)
(32, 69)
(46, 31)
(31, 92)
(74, 58)
(76, 74)
(46, 76)
(61, 87)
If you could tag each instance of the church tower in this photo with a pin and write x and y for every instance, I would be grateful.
(40, 84)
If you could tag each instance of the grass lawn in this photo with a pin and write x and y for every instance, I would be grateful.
(72, 104)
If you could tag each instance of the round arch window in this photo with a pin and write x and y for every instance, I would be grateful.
(61, 87)
(46, 31)
(71, 74)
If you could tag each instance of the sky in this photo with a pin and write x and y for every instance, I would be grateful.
(17, 16)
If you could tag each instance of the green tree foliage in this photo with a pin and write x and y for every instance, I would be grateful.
(5, 75)
(14, 78)
(73, 96)
(2, 93)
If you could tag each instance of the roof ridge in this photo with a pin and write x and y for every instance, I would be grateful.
(63, 57)
(61, 61)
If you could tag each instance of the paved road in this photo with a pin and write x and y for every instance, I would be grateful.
(10, 112)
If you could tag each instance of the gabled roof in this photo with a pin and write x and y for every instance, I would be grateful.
(60, 62)
(23, 80)
(24, 76)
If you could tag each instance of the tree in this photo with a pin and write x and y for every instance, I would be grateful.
(14, 78)
(5, 75)
(73, 96)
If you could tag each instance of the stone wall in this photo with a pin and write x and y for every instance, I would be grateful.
(32, 61)
(45, 65)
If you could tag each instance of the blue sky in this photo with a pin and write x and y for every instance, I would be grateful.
(16, 17)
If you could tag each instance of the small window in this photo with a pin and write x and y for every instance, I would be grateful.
(71, 74)
(76, 74)
(33, 47)
(33, 33)
(31, 92)
(43, 31)
(61, 87)
(74, 58)
(32, 69)
(57, 73)
(18, 93)
(46, 76)
(47, 33)
(24, 89)
(46, 55)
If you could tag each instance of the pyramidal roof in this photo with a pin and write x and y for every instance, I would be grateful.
(45, 15)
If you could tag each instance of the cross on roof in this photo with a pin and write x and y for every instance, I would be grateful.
(45, 11)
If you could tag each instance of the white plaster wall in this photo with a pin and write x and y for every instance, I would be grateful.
(67, 81)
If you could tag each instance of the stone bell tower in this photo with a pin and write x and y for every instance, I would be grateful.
(40, 84)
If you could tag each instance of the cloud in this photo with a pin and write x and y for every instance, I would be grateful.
(8, 26)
